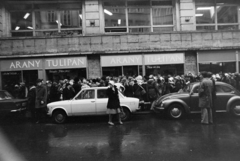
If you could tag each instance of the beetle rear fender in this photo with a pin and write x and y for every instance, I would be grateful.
(231, 101)
(59, 108)
(169, 102)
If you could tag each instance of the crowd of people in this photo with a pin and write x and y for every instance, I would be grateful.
(145, 88)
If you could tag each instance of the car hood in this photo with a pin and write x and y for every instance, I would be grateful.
(13, 100)
(174, 95)
(59, 103)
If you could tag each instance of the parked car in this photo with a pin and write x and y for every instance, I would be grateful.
(90, 101)
(176, 105)
(8, 104)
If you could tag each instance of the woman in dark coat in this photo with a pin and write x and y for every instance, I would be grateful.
(113, 105)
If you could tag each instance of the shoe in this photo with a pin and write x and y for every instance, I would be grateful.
(120, 122)
(111, 123)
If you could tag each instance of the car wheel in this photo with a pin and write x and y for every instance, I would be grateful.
(125, 115)
(175, 111)
(235, 109)
(59, 116)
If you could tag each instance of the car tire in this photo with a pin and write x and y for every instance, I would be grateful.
(235, 109)
(126, 114)
(59, 116)
(175, 111)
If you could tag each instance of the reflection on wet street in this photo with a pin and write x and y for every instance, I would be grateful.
(145, 137)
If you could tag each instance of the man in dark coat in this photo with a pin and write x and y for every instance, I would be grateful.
(41, 101)
(31, 98)
(205, 98)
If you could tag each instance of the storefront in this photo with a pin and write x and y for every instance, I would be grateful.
(29, 70)
(128, 65)
(65, 68)
(224, 61)
(22, 70)
(146, 64)
(164, 64)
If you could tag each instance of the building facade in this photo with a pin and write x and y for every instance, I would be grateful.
(61, 39)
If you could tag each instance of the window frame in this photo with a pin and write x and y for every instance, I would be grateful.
(216, 24)
(58, 11)
(151, 26)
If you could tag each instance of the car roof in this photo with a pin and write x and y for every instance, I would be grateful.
(217, 83)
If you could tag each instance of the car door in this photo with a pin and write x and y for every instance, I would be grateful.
(194, 99)
(101, 101)
(84, 103)
(224, 93)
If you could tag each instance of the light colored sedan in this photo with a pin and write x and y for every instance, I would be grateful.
(90, 101)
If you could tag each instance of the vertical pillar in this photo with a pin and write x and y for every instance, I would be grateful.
(237, 62)
(92, 17)
(187, 15)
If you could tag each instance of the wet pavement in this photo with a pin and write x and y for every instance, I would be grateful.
(144, 138)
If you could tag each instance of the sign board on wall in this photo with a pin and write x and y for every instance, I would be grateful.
(153, 59)
(63, 63)
(51, 63)
(128, 60)
(21, 64)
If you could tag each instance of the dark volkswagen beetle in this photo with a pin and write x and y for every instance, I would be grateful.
(176, 105)
(8, 104)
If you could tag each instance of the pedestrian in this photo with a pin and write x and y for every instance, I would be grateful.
(31, 99)
(41, 101)
(214, 96)
(68, 92)
(113, 105)
(22, 91)
(205, 98)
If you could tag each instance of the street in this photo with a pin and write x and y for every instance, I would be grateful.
(144, 137)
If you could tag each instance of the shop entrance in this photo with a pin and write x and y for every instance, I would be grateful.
(60, 74)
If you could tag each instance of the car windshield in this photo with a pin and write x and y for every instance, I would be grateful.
(4, 95)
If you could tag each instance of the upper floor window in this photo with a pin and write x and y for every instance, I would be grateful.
(138, 15)
(217, 14)
(46, 19)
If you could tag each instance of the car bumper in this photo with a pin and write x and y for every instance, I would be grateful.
(18, 110)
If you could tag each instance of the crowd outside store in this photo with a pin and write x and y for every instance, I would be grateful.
(146, 88)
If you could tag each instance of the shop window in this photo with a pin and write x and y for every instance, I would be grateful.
(10, 79)
(112, 71)
(224, 12)
(176, 69)
(218, 67)
(46, 19)
(130, 71)
(138, 16)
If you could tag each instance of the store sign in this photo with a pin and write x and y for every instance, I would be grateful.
(108, 61)
(9, 65)
(73, 62)
(153, 59)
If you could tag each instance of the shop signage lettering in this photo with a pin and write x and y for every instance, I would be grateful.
(9, 65)
(164, 59)
(24, 64)
(121, 60)
(65, 63)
